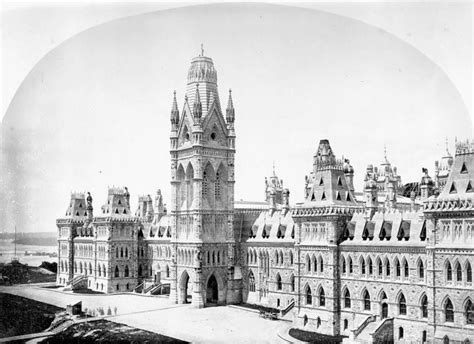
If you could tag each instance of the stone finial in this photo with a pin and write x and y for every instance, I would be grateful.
(197, 109)
(230, 111)
(174, 111)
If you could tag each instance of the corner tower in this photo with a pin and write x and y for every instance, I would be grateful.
(202, 192)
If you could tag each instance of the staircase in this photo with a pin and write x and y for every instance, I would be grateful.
(366, 334)
(375, 331)
(146, 290)
(61, 326)
(77, 282)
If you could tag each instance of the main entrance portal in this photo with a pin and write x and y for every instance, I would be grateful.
(212, 291)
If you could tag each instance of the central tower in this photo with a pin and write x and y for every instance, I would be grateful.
(202, 192)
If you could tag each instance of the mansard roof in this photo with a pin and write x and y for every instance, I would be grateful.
(387, 228)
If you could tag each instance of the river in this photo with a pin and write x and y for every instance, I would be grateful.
(7, 251)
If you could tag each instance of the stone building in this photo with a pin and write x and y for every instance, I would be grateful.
(371, 266)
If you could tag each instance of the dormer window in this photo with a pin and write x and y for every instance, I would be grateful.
(80, 205)
(463, 168)
(469, 187)
(116, 211)
(452, 189)
(339, 181)
(119, 202)
(213, 136)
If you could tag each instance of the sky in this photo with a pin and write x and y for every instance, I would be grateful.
(86, 97)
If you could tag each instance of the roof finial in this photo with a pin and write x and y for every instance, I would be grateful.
(274, 168)
(447, 151)
(385, 151)
(202, 49)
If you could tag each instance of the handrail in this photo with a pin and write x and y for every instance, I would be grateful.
(288, 308)
(138, 287)
(368, 320)
(381, 324)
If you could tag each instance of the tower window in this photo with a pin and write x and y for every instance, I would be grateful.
(453, 188)
(463, 168)
(213, 136)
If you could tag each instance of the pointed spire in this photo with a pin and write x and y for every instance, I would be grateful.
(197, 104)
(230, 111)
(274, 168)
(174, 111)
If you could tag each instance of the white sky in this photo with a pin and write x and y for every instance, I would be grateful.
(95, 111)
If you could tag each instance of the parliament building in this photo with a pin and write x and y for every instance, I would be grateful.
(391, 262)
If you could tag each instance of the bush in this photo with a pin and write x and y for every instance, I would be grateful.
(53, 267)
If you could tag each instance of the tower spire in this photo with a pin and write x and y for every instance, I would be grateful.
(230, 111)
(202, 49)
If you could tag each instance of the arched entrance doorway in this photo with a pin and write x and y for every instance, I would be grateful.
(212, 290)
(184, 289)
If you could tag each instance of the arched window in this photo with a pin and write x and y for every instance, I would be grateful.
(126, 271)
(309, 299)
(458, 272)
(278, 282)
(167, 271)
(468, 272)
(104, 270)
(424, 306)
(291, 257)
(121, 251)
(402, 305)
(80, 267)
(322, 298)
(217, 186)
(362, 266)
(90, 268)
(380, 267)
(398, 270)
(99, 270)
(406, 269)
(346, 324)
(371, 267)
(446, 340)
(308, 263)
(126, 252)
(366, 301)
(62, 266)
(140, 270)
(347, 299)
(251, 281)
(421, 270)
(321, 264)
(387, 267)
(292, 283)
(117, 252)
(449, 272)
(218, 257)
(469, 312)
(351, 268)
(75, 266)
(314, 263)
(448, 311)
(213, 257)
(116, 272)
(343, 265)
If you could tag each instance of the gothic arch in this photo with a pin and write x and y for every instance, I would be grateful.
(220, 286)
(184, 284)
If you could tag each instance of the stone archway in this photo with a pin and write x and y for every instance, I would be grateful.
(185, 294)
(384, 314)
(212, 290)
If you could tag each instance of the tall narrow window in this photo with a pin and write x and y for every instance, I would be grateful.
(406, 269)
(217, 187)
(387, 267)
(468, 272)
(351, 268)
(116, 272)
(449, 272)
(469, 312)
(251, 281)
(402, 305)
(309, 299)
(366, 301)
(380, 267)
(458, 272)
(322, 298)
(421, 270)
(292, 283)
(126, 271)
(278, 282)
(321, 264)
(449, 311)
(343, 265)
(371, 267)
(362, 266)
(397, 268)
(424, 306)
(347, 299)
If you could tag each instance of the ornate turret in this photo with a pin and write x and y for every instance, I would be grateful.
(230, 112)
(174, 113)
(273, 184)
(327, 185)
(349, 173)
(90, 209)
(426, 185)
(370, 191)
(197, 108)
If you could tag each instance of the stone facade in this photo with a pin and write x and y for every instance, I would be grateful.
(371, 266)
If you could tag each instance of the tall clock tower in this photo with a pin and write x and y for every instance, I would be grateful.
(202, 192)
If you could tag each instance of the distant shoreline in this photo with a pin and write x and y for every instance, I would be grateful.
(36, 241)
